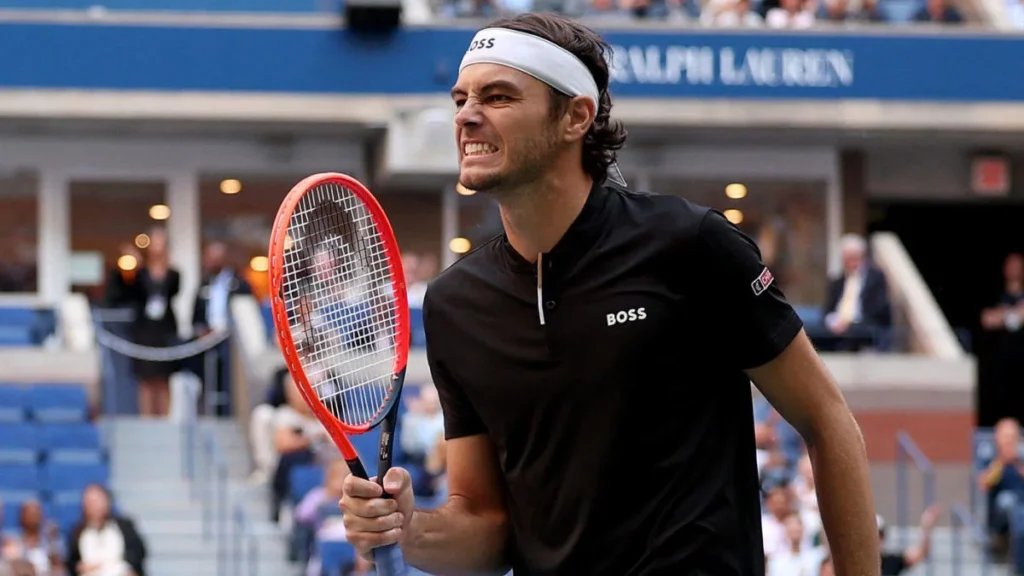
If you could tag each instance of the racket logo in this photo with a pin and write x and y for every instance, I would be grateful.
(623, 316)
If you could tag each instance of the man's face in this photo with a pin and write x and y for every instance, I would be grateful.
(852, 260)
(503, 128)
(1014, 268)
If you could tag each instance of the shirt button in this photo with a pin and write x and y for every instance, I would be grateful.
(550, 304)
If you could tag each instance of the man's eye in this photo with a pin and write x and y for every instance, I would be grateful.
(497, 98)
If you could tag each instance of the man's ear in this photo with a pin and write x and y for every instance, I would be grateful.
(580, 114)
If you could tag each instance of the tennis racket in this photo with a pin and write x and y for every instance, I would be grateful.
(340, 310)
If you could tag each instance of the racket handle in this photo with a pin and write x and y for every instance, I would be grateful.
(355, 466)
(389, 561)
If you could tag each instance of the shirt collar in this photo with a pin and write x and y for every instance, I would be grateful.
(581, 236)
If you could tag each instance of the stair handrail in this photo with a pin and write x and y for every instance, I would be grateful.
(961, 519)
(205, 469)
(907, 449)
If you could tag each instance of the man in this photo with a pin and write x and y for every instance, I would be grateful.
(211, 311)
(592, 362)
(858, 312)
(1002, 482)
(896, 563)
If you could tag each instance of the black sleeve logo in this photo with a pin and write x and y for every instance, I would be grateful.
(481, 44)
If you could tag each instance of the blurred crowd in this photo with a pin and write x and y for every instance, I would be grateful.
(794, 542)
(103, 543)
(723, 13)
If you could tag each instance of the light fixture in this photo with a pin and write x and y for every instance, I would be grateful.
(736, 191)
(127, 262)
(142, 241)
(459, 245)
(259, 264)
(462, 190)
(733, 215)
(230, 186)
(159, 212)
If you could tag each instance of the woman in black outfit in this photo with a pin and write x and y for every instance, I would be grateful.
(104, 542)
(155, 286)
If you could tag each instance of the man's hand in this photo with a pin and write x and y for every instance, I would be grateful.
(372, 521)
(930, 517)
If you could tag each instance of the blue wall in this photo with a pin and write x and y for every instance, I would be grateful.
(657, 64)
(279, 6)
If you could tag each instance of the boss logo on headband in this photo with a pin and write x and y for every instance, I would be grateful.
(481, 44)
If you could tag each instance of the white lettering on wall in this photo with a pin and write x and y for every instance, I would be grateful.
(702, 65)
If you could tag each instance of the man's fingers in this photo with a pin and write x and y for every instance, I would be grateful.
(358, 488)
(396, 480)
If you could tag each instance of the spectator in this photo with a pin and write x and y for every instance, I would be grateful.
(730, 14)
(422, 429)
(308, 512)
(298, 437)
(894, 564)
(155, 325)
(938, 11)
(103, 543)
(795, 557)
(778, 506)
(806, 497)
(1003, 482)
(212, 312)
(857, 311)
(1004, 321)
(791, 14)
(261, 429)
(37, 542)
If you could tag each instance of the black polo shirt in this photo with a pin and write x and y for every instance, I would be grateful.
(624, 423)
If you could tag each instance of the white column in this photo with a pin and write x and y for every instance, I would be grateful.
(185, 235)
(53, 246)
(449, 224)
(834, 215)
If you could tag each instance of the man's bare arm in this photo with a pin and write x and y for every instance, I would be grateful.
(468, 534)
(799, 386)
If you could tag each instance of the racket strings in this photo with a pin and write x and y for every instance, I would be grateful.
(341, 304)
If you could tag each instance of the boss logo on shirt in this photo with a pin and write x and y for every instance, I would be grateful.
(623, 316)
(480, 44)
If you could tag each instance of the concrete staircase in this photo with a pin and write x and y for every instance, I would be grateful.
(148, 480)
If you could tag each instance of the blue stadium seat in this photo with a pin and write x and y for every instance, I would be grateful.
(16, 336)
(58, 402)
(19, 482)
(367, 446)
(13, 403)
(11, 510)
(66, 515)
(304, 479)
(268, 318)
(17, 316)
(63, 479)
(19, 443)
(334, 556)
(71, 443)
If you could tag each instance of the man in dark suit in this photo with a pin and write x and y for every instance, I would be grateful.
(211, 312)
(857, 310)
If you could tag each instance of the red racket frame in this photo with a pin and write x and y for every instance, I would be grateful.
(335, 428)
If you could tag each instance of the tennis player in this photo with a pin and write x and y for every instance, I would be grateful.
(594, 361)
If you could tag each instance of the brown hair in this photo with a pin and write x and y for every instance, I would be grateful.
(605, 136)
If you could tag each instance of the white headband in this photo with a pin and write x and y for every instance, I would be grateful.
(544, 60)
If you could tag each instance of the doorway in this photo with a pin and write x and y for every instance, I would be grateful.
(959, 248)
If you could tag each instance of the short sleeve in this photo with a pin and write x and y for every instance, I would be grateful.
(751, 312)
(460, 417)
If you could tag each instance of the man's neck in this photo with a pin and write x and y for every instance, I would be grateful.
(535, 219)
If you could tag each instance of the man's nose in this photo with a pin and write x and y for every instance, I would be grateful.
(468, 115)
